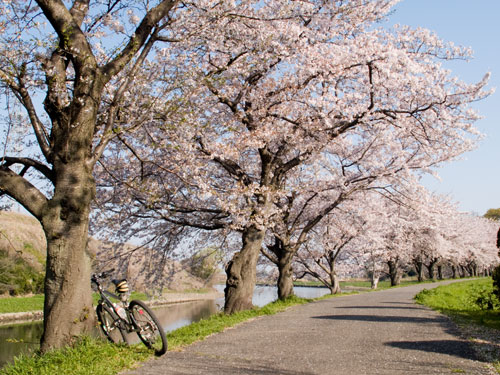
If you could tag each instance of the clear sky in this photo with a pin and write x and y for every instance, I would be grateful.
(473, 182)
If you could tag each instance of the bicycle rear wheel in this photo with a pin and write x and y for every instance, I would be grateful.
(110, 325)
(148, 327)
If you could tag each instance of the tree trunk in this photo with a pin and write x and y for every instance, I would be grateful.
(475, 270)
(334, 284)
(454, 273)
(440, 272)
(285, 279)
(419, 267)
(431, 269)
(68, 308)
(241, 272)
(462, 271)
(374, 281)
(394, 273)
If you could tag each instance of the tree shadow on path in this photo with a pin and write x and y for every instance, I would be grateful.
(382, 318)
(456, 348)
(379, 307)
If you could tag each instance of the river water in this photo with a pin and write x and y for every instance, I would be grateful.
(23, 338)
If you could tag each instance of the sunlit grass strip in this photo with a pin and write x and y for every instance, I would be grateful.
(21, 304)
(35, 302)
(95, 357)
(457, 301)
(87, 357)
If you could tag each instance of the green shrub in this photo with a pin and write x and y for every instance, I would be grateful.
(206, 262)
(496, 281)
(485, 298)
(18, 277)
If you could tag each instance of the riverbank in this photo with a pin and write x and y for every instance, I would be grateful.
(84, 357)
(166, 299)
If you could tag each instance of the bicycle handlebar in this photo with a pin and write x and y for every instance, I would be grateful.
(102, 275)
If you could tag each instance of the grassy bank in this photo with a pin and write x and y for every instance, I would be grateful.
(95, 357)
(458, 301)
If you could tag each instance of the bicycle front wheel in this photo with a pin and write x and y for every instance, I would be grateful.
(148, 327)
(110, 325)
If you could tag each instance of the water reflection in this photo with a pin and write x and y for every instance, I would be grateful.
(19, 339)
(264, 294)
(23, 338)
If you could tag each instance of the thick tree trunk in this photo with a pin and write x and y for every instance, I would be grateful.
(68, 311)
(454, 273)
(283, 260)
(431, 268)
(241, 272)
(440, 272)
(285, 279)
(419, 267)
(394, 273)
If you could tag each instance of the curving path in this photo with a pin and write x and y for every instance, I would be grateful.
(371, 333)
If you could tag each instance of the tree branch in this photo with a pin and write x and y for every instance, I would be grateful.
(139, 38)
(22, 191)
(27, 162)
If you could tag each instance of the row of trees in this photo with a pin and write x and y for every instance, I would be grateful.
(259, 121)
(389, 239)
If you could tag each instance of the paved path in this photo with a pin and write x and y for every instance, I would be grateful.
(372, 333)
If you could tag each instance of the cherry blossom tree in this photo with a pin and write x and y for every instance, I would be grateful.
(337, 234)
(284, 90)
(81, 58)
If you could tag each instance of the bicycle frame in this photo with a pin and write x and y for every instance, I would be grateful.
(104, 299)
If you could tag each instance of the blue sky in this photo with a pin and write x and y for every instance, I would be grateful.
(473, 182)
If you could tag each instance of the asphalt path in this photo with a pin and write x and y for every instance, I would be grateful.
(382, 332)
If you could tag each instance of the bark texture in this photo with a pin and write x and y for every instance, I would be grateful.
(285, 276)
(241, 272)
(419, 267)
(68, 308)
(394, 272)
(334, 284)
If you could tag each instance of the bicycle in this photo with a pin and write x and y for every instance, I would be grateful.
(118, 319)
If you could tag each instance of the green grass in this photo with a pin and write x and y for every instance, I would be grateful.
(457, 300)
(88, 356)
(35, 302)
(95, 357)
(21, 304)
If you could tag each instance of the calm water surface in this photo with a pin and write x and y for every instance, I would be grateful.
(24, 338)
